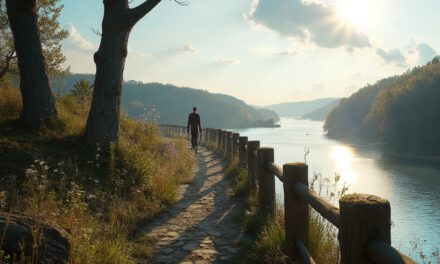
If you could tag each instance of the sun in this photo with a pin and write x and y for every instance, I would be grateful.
(354, 12)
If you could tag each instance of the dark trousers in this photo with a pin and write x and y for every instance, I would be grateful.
(194, 137)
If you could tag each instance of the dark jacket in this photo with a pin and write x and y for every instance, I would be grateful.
(194, 123)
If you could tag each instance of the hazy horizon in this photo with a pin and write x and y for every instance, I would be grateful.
(265, 52)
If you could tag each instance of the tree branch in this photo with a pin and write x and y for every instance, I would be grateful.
(8, 60)
(141, 10)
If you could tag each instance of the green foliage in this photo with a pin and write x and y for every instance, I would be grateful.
(52, 34)
(399, 112)
(100, 196)
(82, 90)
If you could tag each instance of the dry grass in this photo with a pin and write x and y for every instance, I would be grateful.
(99, 196)
(270, 246)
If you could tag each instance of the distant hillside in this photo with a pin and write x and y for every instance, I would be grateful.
(321, 114)
(298, 109)
(173, 104)
(401, 112)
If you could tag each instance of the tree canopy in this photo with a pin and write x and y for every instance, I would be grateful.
(401, 112)
(51, 36)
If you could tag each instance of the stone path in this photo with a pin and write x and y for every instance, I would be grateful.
(201, 227)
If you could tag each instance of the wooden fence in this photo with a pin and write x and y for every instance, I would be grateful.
(363, 220)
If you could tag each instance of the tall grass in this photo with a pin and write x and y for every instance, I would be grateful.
(269, 245)
(99, 196)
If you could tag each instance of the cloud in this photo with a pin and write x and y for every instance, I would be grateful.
(312, 22)
(394, 56)
(188, 47)
(228, 61)
(83, 44)
(425, 53)
(78, 40)
(286, 53)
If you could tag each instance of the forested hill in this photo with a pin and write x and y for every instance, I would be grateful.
(298, 109)
(402, 112)
(173, 104)
(321, 113)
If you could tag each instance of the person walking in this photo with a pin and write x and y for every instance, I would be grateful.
(195, 127)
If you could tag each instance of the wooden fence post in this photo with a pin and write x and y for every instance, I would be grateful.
(296, 209)
(228, 144)
(266, 181)
(219, 139)
(252, 163)
(242, 143)
(224, 141)
(235, 137)
(363, 217)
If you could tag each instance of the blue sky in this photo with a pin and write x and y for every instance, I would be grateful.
(265, 51)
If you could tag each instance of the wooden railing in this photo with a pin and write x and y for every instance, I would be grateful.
(363, 220)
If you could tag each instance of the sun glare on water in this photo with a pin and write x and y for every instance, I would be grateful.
(354, 12)
(343, 158)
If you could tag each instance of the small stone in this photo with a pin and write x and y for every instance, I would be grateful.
(172, 234)
(167, 250)
(232, 250)
(164, 259)
(189, 246)
(209, 251)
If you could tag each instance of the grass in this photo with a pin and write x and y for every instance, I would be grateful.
(268, 244)
(99, 196)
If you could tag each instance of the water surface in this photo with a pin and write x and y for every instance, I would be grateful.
(413, 189)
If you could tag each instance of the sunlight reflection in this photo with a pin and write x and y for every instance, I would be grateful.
(343, 157)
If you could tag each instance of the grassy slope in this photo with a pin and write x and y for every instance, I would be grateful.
(98, 196)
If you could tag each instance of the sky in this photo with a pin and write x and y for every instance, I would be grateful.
(265, 51)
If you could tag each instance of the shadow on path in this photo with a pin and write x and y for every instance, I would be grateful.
(200, 227)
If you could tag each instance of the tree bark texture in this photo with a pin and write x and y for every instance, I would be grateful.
(103, 121)
(38, 102)
(20, 234)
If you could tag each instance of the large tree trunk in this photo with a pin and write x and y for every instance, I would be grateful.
(103, 121)
(38, 101)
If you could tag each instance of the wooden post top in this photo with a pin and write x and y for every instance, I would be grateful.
(295, 164)
(264, 149)
(365, 199)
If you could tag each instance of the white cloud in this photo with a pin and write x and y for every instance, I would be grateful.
(187, 48)
(313, 22)
(425, 53)
(286, 53)
(394, 56)
(78, 40)
(228, 61)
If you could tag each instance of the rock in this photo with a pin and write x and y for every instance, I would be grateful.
(167, 250)
(189, 246)
(53, 245)
(164, 259)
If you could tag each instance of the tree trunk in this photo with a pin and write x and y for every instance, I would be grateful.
(38, 102)
(103, 121)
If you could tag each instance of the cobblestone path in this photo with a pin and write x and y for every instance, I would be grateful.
(202, 226)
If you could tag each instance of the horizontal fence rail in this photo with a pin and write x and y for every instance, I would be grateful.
(363, 221)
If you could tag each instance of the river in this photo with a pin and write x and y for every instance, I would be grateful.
(412, 189)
